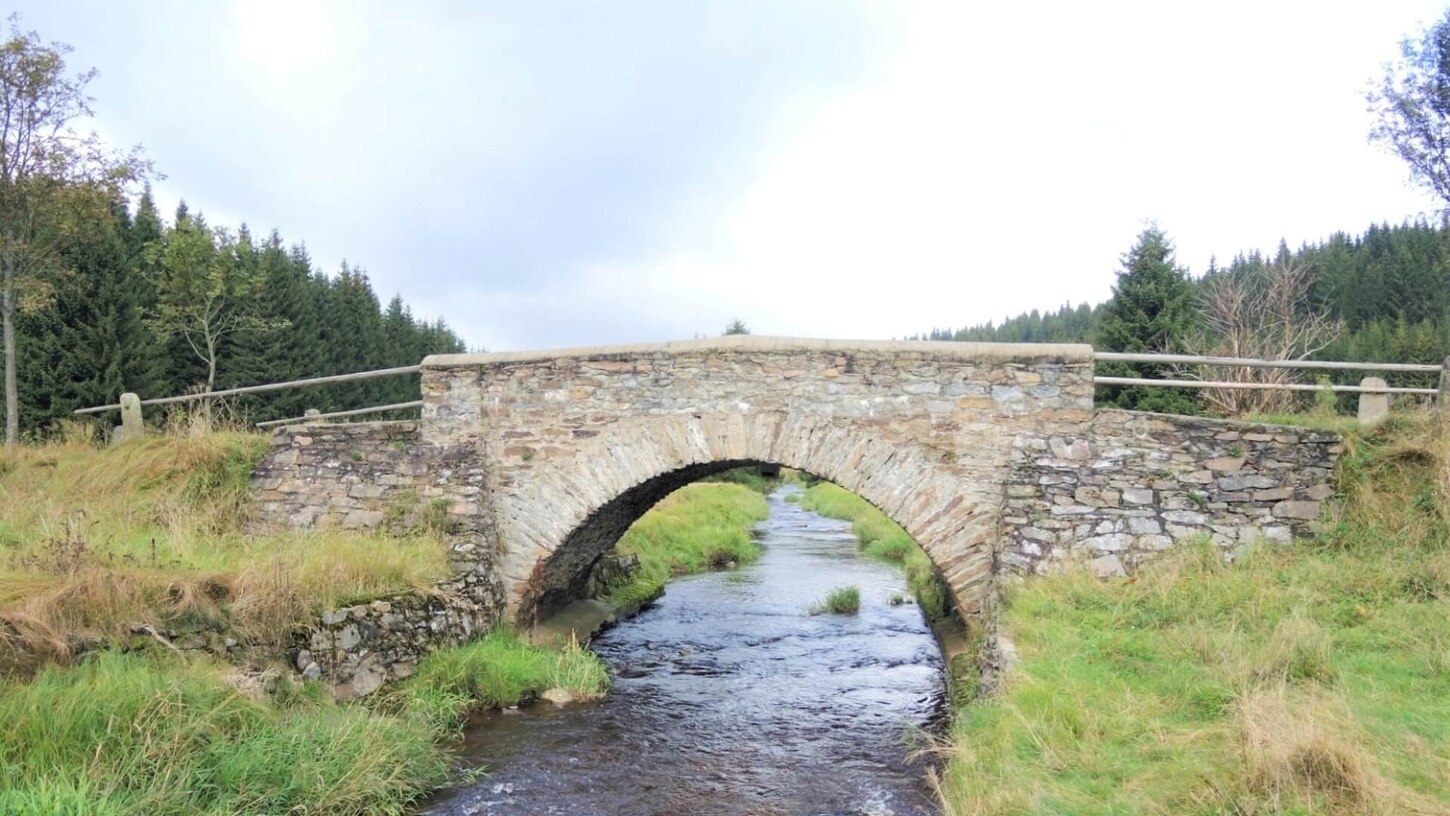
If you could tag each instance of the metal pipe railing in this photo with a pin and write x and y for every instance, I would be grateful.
(1253, 386)
(258, 389)
(376, 409)
(1250, 362)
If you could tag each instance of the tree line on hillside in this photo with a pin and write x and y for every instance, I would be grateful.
(162, 309)
(99, 297)
(1383, 296)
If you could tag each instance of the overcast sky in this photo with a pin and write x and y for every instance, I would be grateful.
(548, 174)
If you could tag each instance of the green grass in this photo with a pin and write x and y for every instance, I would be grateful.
(842, 601)
(699, 527)
(153, 734)
(495, 671)
(1311, 679)
(137, 734)
(883, 539)
(93, 540)
(1314, 420)
(748, 476)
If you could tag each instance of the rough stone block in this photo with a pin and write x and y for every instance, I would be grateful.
(1298, 509)
(1107, 566)
(1144, 526)
(1135, 495)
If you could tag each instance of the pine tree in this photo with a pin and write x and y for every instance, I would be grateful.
(1152, 310)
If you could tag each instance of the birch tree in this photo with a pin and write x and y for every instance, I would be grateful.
(51, 179)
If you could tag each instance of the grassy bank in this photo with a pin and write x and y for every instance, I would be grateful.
(883, 539)
(1311, 679)
(94, 539)
(699, 527)
(133, 734)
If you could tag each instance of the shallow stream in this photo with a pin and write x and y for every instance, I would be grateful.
(729, 699)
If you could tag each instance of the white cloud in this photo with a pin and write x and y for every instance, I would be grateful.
(1012, 153)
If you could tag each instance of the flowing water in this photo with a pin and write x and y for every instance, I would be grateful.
(730, 699)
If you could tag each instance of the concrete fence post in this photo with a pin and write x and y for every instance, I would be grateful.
(1373, 408)
(132, 426)
(1442, 400)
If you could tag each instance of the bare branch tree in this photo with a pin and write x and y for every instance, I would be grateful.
(1264, 313)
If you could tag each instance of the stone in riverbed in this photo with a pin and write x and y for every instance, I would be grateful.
(557, 696)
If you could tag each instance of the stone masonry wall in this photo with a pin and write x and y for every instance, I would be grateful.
(579, 441)
(355, 476)
(377, 476)
(1128, 485)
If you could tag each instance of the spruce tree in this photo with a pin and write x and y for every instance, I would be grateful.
(1152, 310)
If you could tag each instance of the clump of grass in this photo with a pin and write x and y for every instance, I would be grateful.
(95, 540)
(884, 539)
(842, 601)
(1299, 747)
(495, 671)
(697, 528)
(1297, 680)
(128, 734)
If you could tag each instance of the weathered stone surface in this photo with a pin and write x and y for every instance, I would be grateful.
(1178, 478)
(557, 696)
(1373, 408)
(131, 426)
(1107, 566)
(1298, 509)
(1138, 495)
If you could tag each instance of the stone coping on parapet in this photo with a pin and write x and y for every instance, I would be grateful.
(982, 352)
(1226, 423)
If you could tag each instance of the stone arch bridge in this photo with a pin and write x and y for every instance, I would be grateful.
(991, 456)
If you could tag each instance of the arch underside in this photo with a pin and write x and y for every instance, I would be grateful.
(948, 505)
(562, 577)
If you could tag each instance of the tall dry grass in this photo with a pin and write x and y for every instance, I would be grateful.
(1307, 679)
(95, 541)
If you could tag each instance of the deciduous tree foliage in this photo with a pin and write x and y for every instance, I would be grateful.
(54, 182)
(1412, 108)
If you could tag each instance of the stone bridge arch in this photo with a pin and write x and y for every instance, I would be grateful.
(576, 444)
(949, 508)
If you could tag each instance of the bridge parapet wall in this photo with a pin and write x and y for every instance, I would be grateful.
(355, 476)
(1126, 487)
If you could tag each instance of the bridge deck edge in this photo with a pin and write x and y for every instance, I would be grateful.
(985, 352)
